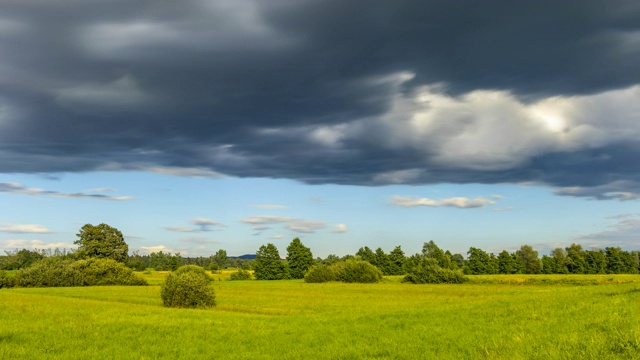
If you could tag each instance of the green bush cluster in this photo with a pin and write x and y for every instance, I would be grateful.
(188, 287)
(350, 271)
(240, 275)
(320, 274)
(429, 272)
(57, 272)
(5, 280)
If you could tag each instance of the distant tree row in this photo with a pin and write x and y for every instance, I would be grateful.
(104, 241)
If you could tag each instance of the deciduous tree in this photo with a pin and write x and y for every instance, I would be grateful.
(102, 241)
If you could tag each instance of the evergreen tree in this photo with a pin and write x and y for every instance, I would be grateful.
(397, 261)
(268, 265)
(300, 259)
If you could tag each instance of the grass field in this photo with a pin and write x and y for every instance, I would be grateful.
(494, 317)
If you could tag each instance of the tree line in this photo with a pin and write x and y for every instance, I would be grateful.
(103, 241)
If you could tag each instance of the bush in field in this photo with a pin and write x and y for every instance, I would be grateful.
(357, 271)
(5, 280)
(240, 275)
(56, 272)
(320, 274)
(188, 287)
(429, 272)
(106, 272)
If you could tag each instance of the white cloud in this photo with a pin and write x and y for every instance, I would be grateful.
(155, 249)
(458, 202)
(33, 244)
(339, 229)
(276, 237)
(25, 228)
(17, 188)
(269, 206)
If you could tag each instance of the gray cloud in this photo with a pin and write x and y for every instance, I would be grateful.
(327, 91)
(16, 188)
(293, 224)
(203, 225)
(623, 233)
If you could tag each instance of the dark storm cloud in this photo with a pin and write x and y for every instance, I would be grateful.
(326, 91)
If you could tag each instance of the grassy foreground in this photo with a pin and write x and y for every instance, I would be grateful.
(585, 318)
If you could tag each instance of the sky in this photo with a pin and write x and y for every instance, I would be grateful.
(228, 124)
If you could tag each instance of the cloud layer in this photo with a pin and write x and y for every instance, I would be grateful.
(326, 91)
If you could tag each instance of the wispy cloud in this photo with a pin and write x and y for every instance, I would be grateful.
(25, 228)
(33, 244)
(293, 224)
(269, 206)
(457, 202)
(17, 188)
(202, 225)
(199, 240)
(185, 172)
(625, 232)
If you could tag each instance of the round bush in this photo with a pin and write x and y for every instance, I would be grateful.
(188, 287)
(428, 272)
(320, 274)
(357, 271)
(240, 275)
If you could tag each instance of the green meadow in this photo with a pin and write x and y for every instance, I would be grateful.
(492, 317)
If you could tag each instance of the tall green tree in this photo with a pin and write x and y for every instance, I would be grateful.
(268, 265)
(479, 262)
(596, 262)
(367, 254)
(506, 263)
(530, 260)
(397, 261)
(300, 259)
(221, 260)
(577, 263)
(102, 241)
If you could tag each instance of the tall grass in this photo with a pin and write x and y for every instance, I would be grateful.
(294, 320)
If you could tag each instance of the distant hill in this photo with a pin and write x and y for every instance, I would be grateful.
(244, 257)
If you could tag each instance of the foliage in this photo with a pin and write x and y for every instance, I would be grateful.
(102, 241)
(320, 273)
(531, 264)
(6, 281)
(240, 275)
(299, 258)
(188, 287)
(480, 262)
(268, 265)
(357, 271)
(55, 272)
(137, 262)
(220, 258)
(20, 259)
(165, 261)
(430, 272)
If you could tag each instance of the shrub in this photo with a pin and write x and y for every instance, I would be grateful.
(240, 275)
(106, 272)
(6, 281)
(320, 274)
(188, 287)
(429, 272)
(56, 272)
(357, 271)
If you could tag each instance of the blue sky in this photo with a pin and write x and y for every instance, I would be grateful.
(228, 124)
(197, 216)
